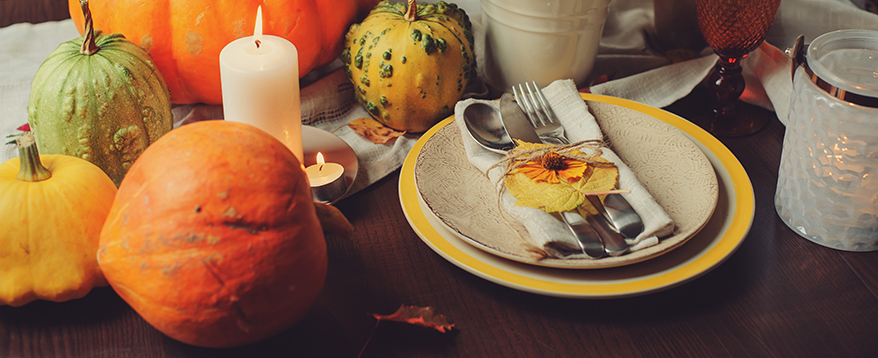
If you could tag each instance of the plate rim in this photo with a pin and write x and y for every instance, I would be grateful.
(742, 205)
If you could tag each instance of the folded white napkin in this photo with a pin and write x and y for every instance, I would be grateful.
(579, 124)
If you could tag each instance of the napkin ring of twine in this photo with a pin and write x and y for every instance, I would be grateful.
(517, 157)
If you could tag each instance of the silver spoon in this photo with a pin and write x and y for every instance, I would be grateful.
(485, 127)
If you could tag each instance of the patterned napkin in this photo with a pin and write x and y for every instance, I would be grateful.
(580, 125)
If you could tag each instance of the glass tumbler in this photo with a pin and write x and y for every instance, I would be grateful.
(827, 188)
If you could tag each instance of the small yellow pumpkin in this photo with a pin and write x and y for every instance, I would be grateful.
(410, 64)
(52, 217)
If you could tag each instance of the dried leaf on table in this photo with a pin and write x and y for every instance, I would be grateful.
(416, 315)
(419, 316)
(373, 130)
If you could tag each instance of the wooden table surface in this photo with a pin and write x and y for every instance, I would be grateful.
(779, 295)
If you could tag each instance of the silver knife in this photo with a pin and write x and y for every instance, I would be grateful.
(588, 238)
(516, 123)
(519, 127)
(618, 211)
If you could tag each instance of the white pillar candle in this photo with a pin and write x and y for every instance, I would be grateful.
(260, 85)
(327, 180)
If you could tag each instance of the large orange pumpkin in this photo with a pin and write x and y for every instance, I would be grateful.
(185, 37)
(213, 237)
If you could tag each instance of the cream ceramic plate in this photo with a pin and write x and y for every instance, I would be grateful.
(718, 239)
(334, 150)
(674, 170)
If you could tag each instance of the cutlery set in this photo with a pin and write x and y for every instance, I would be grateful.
(526, 115)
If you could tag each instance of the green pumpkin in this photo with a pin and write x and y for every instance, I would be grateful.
(104, 101)
(410, 64)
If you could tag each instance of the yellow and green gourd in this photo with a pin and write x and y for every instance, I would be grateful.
(410, 64)
(99, 97)
(52, 209)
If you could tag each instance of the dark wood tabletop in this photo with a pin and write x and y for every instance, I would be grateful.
(778, 295)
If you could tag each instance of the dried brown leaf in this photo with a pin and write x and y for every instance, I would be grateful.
(419, 316)
(373, 130)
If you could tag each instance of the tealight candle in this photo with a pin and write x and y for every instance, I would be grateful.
(327, 180)
(260, 85)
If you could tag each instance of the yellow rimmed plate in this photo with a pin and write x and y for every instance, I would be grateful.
(666, 162)
(718, 239)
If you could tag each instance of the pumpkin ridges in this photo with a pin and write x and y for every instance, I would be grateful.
(221, 291)
(139, 82)
(172, 262)
(58, 264)
(81, 180)
(19, 289)
(80, 102)
(78, 271)
(178, 244)
(410, 89)
(185, 42)
(181, 324)
(101, 66)
(195, 79)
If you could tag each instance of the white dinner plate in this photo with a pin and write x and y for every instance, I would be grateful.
(720, 237)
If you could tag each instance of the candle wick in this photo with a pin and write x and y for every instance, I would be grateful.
(320, 168)
(258, 43)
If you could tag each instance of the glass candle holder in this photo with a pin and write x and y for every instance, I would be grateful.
(827, 188)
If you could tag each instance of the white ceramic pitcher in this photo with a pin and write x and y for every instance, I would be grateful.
(541, 40)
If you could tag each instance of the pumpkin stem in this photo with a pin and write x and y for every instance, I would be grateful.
(88, 44)
(411, 14)
(31, 170)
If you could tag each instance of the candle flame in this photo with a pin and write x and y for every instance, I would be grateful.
(320, 161)
(257, 32)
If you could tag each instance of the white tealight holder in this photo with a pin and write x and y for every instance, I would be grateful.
(333, 182)
(327, 180)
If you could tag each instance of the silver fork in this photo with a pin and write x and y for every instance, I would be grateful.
(534, 104)
(615, 209)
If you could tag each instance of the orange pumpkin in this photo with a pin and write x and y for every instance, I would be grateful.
(185, 37)
(213, 237)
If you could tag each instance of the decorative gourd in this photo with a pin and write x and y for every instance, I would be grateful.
(410, 65)
(213, 237)
(185, 37)
(51, 222)
(99, 97)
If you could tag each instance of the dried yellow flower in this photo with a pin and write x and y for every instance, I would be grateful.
(552, 167)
